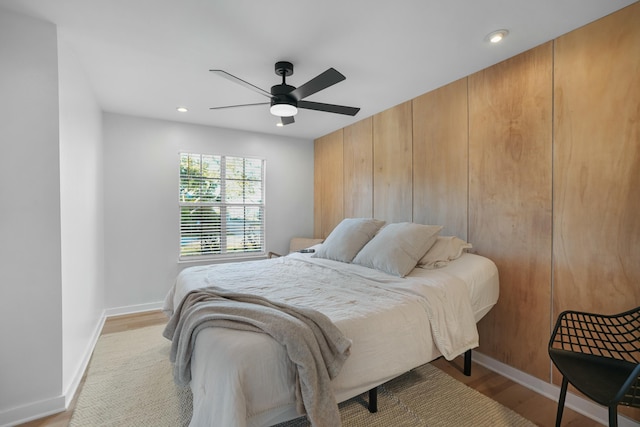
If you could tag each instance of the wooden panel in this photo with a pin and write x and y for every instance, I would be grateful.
(392, 174)
(597, 166)
(440, 156)
(358, 169)
(329, 183)
(510, 153)
(317, 190)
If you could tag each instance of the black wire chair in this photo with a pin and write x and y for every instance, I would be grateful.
(600, 356)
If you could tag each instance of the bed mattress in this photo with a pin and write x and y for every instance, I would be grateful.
(245, 379)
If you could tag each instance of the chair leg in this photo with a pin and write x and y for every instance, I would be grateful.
(613, 416)
(563, 395)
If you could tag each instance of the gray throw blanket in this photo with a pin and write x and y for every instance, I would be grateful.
(314, 344)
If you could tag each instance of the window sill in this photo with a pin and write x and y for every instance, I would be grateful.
(223, 260)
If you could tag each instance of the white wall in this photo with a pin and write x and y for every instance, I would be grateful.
(141, 169)
(30, 271)
(88, 212)
(81, 203)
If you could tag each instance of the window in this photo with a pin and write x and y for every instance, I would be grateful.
(221, 206)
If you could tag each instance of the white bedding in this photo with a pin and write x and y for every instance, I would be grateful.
(245, 379)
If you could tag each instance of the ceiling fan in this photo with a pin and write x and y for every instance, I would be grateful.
(286, 99)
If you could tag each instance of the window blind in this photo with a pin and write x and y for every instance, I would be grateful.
(221, 204)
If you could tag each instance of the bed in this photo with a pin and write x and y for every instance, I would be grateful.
(395, 322)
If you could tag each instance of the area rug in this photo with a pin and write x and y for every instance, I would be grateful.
(129, 383)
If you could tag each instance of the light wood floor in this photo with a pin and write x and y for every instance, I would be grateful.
(534, 407)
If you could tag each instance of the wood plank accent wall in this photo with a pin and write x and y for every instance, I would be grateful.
(440, 158)
(553, 179)
(597, 166)
(510, 113)
(328, 183)
(358, 169)
(392, 164)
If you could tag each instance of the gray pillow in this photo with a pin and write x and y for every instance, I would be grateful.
(444, 250)
(397, 248)
(346, 240)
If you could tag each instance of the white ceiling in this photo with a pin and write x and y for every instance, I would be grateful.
(147, 57)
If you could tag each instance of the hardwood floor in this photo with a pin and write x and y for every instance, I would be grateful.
(529, 404)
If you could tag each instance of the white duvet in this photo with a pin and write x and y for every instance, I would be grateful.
(245, 379)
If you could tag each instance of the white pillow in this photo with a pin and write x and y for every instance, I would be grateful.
(445, 250)
(397, 248)
(346, 240)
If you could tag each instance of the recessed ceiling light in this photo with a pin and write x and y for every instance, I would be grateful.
(497, 36)
(182, 109)
(279, 124)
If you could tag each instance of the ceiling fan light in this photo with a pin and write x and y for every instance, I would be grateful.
(283, 110)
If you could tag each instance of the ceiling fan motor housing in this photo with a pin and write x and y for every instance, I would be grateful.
(280, 96)
(281, 93)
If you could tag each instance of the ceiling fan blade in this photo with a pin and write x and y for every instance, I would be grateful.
(287, 120)
(241, 82)
(329, 108)
(239, 105)
(316, 84)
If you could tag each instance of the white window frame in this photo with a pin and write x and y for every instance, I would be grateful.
(187, 231)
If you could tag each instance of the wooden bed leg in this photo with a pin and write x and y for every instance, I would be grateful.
(467, 362)
(373, 400)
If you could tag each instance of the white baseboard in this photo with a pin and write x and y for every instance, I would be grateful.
(131, 309)
(579, 404)
(72, 388)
